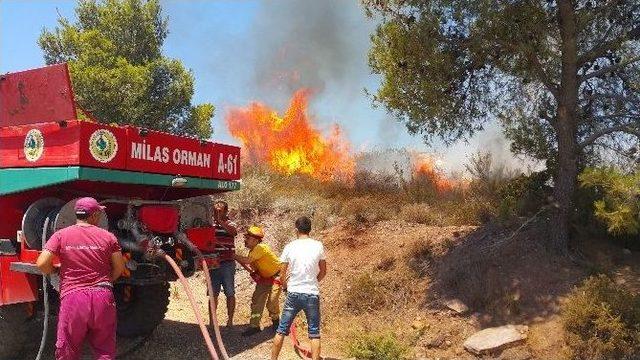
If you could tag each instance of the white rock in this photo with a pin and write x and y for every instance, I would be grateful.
(456, 305)
(491, 339)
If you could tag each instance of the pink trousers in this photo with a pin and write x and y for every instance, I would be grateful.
(87, 314)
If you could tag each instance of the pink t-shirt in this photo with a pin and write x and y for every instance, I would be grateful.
(85, 256)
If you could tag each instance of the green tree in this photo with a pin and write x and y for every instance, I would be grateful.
(561, 76)
(619, 203)
(114, 52)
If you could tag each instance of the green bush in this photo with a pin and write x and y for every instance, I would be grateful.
(602, 321)
(618, 205)
(523, 195)
(376, 347)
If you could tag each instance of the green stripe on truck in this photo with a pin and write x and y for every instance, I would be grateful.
(17, 180)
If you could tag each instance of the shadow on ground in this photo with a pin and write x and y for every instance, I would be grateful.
(504, 277)
(171, 340)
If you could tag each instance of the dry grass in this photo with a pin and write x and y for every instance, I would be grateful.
(368, 209)
(601, 320)
(365, 293)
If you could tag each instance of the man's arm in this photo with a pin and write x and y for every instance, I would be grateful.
(243, 259)
(228, 225)
(284, 276)
(323, 269)
(117, 265)
(45, 262)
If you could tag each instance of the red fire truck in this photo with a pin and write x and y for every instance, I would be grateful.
(49, 158)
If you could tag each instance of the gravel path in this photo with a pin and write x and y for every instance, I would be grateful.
(178, 336)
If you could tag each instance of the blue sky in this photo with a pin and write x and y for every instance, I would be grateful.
(231, 46)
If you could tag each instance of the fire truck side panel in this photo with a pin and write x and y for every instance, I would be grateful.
(36, 96)
(15, 287)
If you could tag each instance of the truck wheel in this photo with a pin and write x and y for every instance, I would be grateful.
(13, 330)
(140, 308)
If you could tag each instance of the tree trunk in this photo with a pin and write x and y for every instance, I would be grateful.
(566, 129)
(564, 189)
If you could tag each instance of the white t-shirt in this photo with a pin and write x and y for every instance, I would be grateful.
(302, 257)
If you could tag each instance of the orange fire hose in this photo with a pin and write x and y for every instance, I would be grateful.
(212, 306)
(293, 332)
(187, 288)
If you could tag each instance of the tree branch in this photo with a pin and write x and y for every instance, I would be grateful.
(626, 128)
(603, 47)
(609, 69)
(550, 85)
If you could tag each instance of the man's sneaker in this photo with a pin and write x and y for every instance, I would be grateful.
(250, 331)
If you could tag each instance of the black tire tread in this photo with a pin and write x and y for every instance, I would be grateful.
(144, 312)
(13, 330)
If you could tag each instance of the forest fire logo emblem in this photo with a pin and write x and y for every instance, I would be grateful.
(33, 145)
(103, 145)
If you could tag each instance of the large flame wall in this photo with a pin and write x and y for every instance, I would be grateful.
(290, 144)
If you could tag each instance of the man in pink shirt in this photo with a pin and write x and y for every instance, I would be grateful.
(90, 260)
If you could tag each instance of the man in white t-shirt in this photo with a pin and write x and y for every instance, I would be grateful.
(303, 267)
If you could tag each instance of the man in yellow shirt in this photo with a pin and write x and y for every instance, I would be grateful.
(265, 267)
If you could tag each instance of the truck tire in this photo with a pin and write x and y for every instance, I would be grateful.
(13, 330)
(144, 309)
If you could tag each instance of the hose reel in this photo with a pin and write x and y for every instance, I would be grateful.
(59, 214)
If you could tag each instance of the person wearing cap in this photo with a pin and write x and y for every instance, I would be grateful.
(90, 261)
(223, 277)
(265, 268)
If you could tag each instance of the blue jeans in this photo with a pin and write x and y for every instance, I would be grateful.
(224, 277)
(309, 304)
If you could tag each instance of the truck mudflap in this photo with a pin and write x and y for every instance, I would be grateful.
(16, 287)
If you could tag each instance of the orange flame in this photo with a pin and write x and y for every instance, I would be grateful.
(290, 144)
(425, 166)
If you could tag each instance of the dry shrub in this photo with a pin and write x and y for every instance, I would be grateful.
(367, 182)
(421, 214)
(255, 194)
(386, 263)
(321, 211)
(368, 210)
(474, 211)
(369, 346)
(365, 293)
(384, 289)
(421, 256)
(602, 321)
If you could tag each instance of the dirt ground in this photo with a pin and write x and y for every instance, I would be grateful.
(523, 284)
(179, 337)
